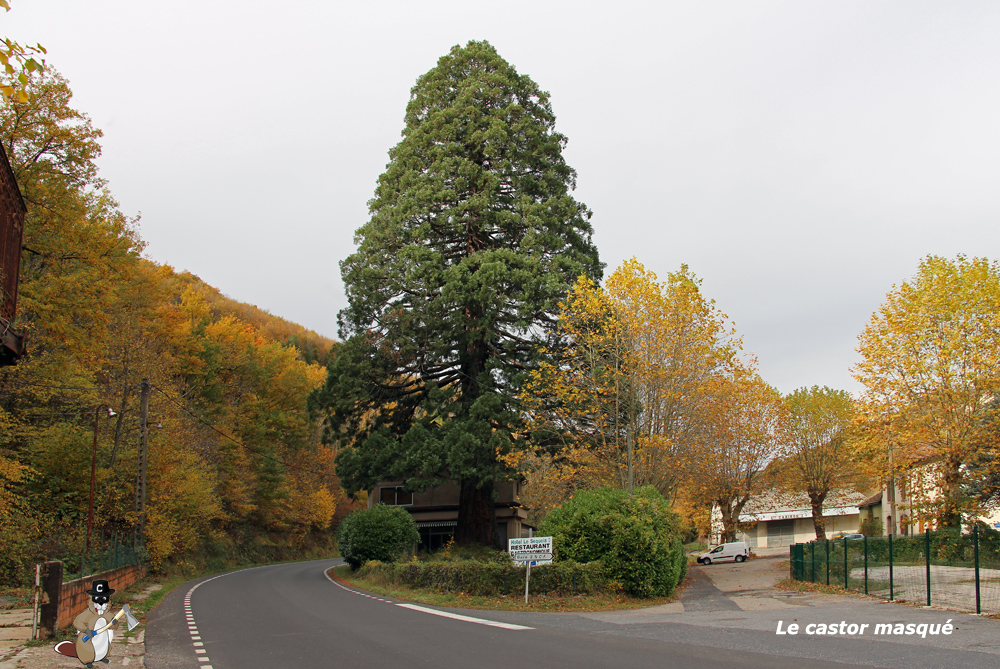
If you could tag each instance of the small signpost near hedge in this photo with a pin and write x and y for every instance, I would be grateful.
(532, 551)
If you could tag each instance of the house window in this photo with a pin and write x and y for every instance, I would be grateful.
(395, 496)
(435, 534)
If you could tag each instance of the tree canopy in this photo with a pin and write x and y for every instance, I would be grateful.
(474, 237)
(618, 403)
(817, 447)
(18, 63)
(234, 453)
(931, 368)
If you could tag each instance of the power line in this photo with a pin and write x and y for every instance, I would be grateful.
(226, 436)
(18, 382)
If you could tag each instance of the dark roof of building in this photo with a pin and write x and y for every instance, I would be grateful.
(871, 501)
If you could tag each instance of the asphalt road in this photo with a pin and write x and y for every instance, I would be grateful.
(293, 615)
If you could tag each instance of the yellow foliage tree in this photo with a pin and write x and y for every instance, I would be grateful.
(818, 451)
(232, 454)
(741, 429)
(930, 367)
(18, 63)
(617, 404)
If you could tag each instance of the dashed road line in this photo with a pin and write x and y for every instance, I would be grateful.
(200, 653)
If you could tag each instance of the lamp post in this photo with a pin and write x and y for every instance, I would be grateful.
(93, 470)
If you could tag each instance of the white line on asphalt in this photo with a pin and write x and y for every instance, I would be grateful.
(443, 614)
(468, 619)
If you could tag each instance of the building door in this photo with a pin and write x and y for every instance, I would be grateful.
(780, 533)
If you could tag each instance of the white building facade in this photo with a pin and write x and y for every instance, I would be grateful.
(783, 519)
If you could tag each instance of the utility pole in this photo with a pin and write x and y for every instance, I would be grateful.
(93, 474)
(628, 438)
(140, 484)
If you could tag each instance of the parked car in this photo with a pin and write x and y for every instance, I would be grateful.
(850, 536)
(737, 551)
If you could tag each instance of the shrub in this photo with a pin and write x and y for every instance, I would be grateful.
(488, 578)
(871, 526)
(380, 533)
(637, 539)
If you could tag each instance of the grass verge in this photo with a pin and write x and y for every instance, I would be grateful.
(551, 603)
(822, 588)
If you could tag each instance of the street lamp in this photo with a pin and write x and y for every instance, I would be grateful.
(93, 470)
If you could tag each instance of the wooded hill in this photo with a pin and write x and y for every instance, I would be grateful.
(235, 467)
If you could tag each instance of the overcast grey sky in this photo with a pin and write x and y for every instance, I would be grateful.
(800, 157)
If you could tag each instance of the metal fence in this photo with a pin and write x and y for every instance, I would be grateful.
(108, 552)
(945, 568)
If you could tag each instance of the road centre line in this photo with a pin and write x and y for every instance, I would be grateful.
(423, 609)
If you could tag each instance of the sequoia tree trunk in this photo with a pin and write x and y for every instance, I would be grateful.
(476, 515)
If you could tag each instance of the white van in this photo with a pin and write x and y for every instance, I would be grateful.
(737, 551)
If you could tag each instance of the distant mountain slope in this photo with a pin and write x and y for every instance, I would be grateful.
(312, 346)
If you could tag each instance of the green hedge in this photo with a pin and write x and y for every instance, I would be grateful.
(636, 539)
(379, 533)
(500, 577)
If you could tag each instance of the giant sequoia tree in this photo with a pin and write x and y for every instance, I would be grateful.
(473, 239)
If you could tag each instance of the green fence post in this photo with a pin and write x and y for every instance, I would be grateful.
(975, 551)
(866, 564)
(845, 563)
(828, 562)
(812, 553)
(928, 545)
(891, 597)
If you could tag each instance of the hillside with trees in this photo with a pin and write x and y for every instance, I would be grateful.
(234, 468)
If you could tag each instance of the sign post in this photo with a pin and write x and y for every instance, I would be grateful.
(531, 551)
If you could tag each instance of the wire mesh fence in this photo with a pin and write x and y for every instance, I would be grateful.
(945, 568)
(108, 552)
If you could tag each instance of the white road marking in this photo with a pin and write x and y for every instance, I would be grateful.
(422, 609)
(468, 619)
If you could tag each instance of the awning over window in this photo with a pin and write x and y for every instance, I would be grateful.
(437, 523)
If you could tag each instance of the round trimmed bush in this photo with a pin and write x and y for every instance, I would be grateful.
(380, 533)
(637, 539)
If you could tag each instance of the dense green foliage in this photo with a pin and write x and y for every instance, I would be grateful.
(380, 533)
(637, 539)
(473, 240)
(489, 578)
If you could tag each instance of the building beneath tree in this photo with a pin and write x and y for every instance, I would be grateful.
(436, 510)
(782, 519)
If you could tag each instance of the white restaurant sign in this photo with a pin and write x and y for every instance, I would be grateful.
(532, 550)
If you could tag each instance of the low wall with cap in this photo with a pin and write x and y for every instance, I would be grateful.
(73, 595)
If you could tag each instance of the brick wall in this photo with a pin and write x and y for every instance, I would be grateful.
(73, 598)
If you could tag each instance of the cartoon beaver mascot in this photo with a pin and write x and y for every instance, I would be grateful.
(94, 627)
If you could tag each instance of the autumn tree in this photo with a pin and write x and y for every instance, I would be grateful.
(930, 367)
(742, 429)
(616, 404)
(18, 62)
(817, 454)
(232, 450)
(473, 239)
